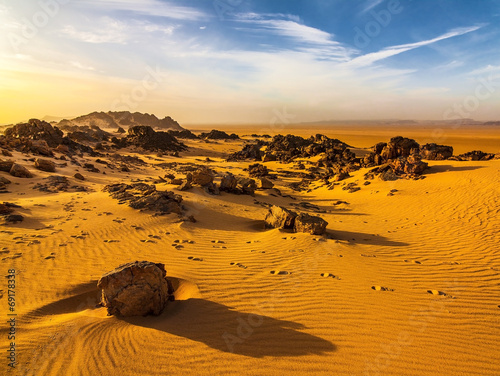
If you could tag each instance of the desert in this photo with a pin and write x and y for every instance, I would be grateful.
(403, 275)
(249, 187)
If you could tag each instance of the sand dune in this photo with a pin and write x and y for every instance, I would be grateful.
(404, 284)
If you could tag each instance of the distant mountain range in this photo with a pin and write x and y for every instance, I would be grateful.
(395, 122)
(124, 119)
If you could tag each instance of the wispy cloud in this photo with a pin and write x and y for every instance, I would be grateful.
(373, 57)
(148, 8)
(302, 37)
(370, 4)
(485, 70)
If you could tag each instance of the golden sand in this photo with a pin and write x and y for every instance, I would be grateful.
(410, 284)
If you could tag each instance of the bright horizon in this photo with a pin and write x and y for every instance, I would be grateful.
(251, 61)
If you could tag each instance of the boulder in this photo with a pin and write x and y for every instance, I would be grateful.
(202, 177)
(280, 217)
(14, 218)
(79, 176)
(41, 147)
(184, 186)
(257, 170)
(436, 152)
(6, 166)
(398, 147)
(247, 186)
(135, 289)
(5, 209)
(475, 155)
(228, 183)
(45, 165)
(310, 224)
(265, 183)
(412, 165)
(20, 171)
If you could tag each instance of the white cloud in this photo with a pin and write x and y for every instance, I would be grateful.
(487, 69)
(373, 57)
(146, 8)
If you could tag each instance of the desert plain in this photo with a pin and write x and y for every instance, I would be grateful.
(405, 280)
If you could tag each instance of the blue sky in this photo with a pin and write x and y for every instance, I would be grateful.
(241, 61)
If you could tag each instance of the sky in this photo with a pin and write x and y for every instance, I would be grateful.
(251, 61)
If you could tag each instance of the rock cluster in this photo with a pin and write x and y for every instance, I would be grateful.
(186, 134)
(136, 289)
(475, 155)
(146, 138)
(433, 152)
(55, 183)
(145, 197)
(39, 137)
(218, 135)
(282, 218)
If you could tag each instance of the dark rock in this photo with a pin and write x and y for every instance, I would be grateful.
(257, 170)
(146, 197)
(36, 129)
(218, 135)
(436, 152)
(202, 176)
(265, 183)
(6, 166)
(185, 186)
(145, 137)
(280, 217)
(249, 151)
(399, 147)
(120, 130)
(45, 165)
(5, 209)
(20, 171)
(13, 218)
(135, 289)
(310, 224)
(476, 155)
(247, 186)
(228, 183)
(186, 134)
(79, 176)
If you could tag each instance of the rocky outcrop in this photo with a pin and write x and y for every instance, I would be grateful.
(228, 183)
(146, 138)
(249, 151)
(45, 165)
(146, 197)
(136, 289)
(397, 147)
(20, 171)
(282, 218)
(202, 176)
(310, 224)
(218, 135)
(265, 183)
(36, 129)
(475, 155)
(411, 166)
(186, 134)
(116, 119)
(257, 170)
(434, 152)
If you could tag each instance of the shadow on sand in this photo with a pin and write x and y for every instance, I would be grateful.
(364, 238)
(437, 169)
(225, 329)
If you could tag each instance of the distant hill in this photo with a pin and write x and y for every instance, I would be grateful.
(123, 119)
